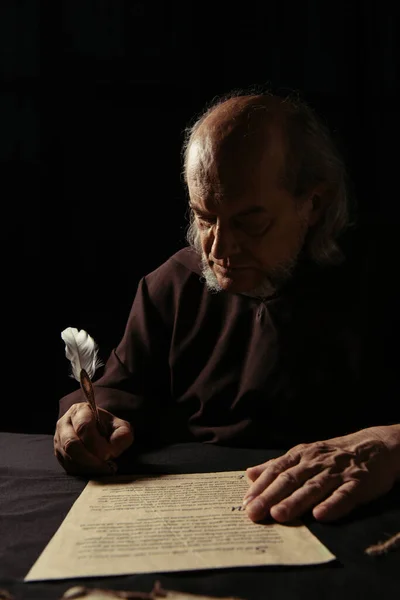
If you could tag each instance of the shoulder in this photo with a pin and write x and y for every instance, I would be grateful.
(179, 274)
(182, 264)
(176, 270)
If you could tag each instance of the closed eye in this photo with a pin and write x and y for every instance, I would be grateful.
(254, 225)
(204, 220)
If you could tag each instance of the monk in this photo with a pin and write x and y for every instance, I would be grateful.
(258, 332)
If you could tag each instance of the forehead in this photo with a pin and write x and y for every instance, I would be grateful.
(233, 176)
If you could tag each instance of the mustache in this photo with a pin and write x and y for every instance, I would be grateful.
(273, 279)
(265, 289)
(229, 265)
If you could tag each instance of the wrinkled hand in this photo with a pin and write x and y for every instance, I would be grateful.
(331, 477)
(78, 445)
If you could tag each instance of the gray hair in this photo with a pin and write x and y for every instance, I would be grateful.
(312, 158)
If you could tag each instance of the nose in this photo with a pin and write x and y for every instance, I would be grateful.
(224, 243)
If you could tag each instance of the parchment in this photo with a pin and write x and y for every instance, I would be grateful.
(159, 523)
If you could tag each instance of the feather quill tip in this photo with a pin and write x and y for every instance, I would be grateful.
(82, 351)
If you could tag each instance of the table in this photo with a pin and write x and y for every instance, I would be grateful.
(36, 495)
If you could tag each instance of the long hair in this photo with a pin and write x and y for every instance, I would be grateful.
(311, 158)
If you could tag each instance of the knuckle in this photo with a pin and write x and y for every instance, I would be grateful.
(313, 485)
(274, 471)
(71, 412)
(321, 448)
(60, 423)
(78, 409)
(124, 434)
(81, 426)
(70, 443)
(125, 427)
(72, 409)
(300, 448)
(359, 474)
(120, 425)
(258, 469)
(288, 477)
(273, 466)
(315, 448)
(343, 492)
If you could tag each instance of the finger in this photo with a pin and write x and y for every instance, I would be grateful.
(56, 449)
(74, 456)
(343, 500)
(121, 437)
(73, 468)
(254, 472)
(305, 497)
(280, 488)
(108, 468)
(269, 473)
(84, 424)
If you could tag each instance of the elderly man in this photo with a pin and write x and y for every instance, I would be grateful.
(257, 333)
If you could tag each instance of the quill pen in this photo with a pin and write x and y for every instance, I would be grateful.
(82, 351)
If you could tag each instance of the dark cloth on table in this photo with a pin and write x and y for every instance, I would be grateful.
(36, 495)
(310, 363)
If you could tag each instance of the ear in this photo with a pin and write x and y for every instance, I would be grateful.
(315, 209)
(316, 203)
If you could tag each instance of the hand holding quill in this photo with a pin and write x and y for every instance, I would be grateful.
(83, 442)
(82, 351)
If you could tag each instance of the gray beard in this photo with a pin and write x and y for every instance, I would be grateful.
(272, 281)
(269, 286)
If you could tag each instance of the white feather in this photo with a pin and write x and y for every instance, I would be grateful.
(81, 350)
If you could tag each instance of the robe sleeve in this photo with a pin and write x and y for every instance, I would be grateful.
(135, 383)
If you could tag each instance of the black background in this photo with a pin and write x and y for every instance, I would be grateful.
(94, 98)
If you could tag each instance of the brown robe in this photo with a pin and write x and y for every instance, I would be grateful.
(226, 368)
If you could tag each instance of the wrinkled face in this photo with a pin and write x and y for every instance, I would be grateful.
(249, 229)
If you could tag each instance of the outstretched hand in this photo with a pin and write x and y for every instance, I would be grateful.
(330, 478)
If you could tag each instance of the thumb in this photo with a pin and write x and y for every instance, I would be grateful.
(121, 437)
